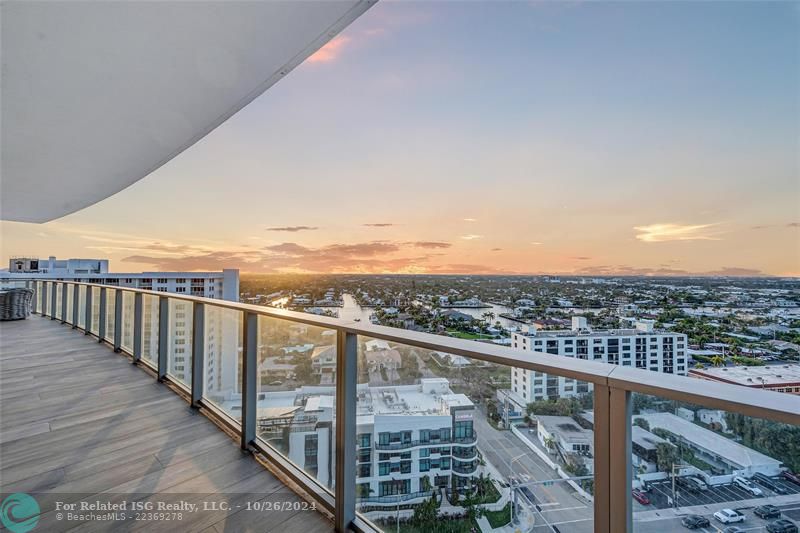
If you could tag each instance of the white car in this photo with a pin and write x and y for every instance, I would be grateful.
(746, 485)
(729, 516)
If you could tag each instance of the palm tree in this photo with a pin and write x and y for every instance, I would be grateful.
(718, 360)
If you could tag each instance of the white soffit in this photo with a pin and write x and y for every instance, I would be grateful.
(96, 95)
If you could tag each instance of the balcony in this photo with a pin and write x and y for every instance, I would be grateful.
(463, 441)
(78, 418)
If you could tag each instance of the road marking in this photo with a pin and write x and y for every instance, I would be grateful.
(561, 508)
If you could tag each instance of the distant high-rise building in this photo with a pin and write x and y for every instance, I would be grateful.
(56, 267)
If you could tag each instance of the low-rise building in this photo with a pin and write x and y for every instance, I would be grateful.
(778, 378)
(723, 454)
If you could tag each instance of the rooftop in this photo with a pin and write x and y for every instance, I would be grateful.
(708, 440)
(753, 376)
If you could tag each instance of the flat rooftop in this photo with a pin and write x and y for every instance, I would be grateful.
(752, 376)
(556, 333)
(724, 447)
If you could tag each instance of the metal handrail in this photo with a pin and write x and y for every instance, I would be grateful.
(613, 386)
(440, 442)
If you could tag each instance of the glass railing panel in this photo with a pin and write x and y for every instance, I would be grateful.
(451, 442)
(70, 299)
(59, 287)
(222, 380)
(179, 354)
(37, 296)
(111, 322)
(126, 341)
(296, 394)
(700, 467)
(81, 306)
(150, 325)
(94, 326)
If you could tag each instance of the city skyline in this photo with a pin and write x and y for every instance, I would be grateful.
(610, 139)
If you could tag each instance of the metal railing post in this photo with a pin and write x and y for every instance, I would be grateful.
(101, 325)
(137, 327)
(75, 309)
(163, 336)
(346, 392)
(620, 460)
(118, 320)
(87, 321)
(43, 300)
(249, 381)
(64, 288)
(198, 351)
(54, 292)
(602, 466)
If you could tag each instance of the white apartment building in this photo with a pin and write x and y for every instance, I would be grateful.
(56, 267)
(410, 438)
(642, 347)
(221, 329)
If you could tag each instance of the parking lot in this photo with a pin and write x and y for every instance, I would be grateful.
(660, 492)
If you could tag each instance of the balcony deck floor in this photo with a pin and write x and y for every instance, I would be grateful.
(80, 423)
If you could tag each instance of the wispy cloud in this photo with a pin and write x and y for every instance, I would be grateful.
(331, 51)
(471, 237)
(470, 220)
(536, 243)
(496, 250)
(429, 244)
(379, 225)
(675, 232)
(293, 229)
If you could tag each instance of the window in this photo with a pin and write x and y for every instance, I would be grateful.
(364, 440)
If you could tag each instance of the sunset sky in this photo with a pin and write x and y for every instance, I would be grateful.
(450, 137)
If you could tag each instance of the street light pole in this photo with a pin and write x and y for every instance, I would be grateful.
(513, 487)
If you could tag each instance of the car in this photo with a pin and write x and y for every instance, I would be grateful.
(733, 529)
(729, 516)
(767, 512)
(782, 526)
(769, 483)
(528, 494)
(745, 484)
(640, 497)
(694, 521)
(791, 476)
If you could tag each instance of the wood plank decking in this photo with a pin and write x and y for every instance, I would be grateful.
(80, 423)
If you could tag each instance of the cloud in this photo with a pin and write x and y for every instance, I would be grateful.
(471, 237)
(428, 244)
(330, 51)
(496, 250)
(626, 270)
(293, 229)
(787, 225)
(675, 232)
(581, 258)
(793, 225)
(379, 225)
(470, 220)
(536, 243)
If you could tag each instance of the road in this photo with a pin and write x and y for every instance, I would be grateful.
(557, 504)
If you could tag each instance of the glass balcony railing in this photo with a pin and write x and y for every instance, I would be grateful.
(376, 422)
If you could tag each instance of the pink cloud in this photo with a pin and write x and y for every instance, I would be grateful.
(330, 51)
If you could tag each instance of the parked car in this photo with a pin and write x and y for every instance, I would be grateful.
(769, 483)
(745, 484)
(697, 483)
(767, 512)
(729, 516)
(782, 526)
(694, 521)
(791, 476)
(733, 529)
(640, 497)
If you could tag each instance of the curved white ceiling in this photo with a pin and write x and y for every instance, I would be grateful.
(96, 95)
